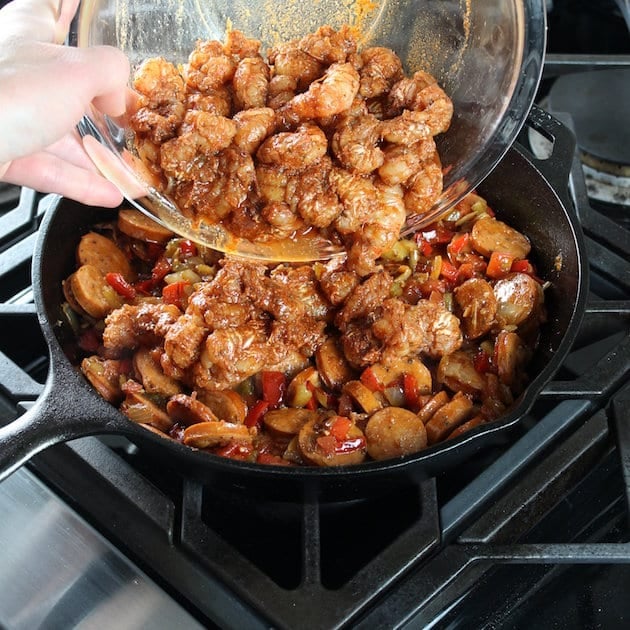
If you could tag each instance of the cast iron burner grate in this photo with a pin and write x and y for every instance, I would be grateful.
(501, 536)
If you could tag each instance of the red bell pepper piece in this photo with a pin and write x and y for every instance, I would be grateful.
(499, 265)
(369, 379)
(187, 248)
(410, 390)
(274, 385)
(120, 285)
(339, 427)
(176, 294)
(255, 414)
(449, 271)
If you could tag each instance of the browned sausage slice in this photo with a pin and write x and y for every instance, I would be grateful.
(226, 405)
(448, 417)
(394, 432)
(101, 252)
(518, 296)
(91, 291)
(152, 376)
(491, 235)
(318, 446)
(286, 422)
(138, 225)
(215, 433)
(478, 305)
(332, 365)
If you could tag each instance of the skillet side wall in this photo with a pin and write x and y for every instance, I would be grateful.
(522, 198)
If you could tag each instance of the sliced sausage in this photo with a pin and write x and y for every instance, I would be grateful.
(518, 296)
(467, 426)
(509, 354)
(457, 371)
(153, 378)
(333, 368)
(101, 252)
(394, 432)
(92, 292)
(189, 410)
(286, 422)
(104, 375)
(429, 408)
(318, 446)
(215, 433)
(227, 405)
(478, 306)
(491, 235)
(139, 409)
(448, 417)
(138, 225)
(363, 396)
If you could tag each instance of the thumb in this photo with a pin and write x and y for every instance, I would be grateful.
(38, 20)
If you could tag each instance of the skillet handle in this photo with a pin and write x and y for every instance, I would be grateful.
(556, 168)
(62, 412)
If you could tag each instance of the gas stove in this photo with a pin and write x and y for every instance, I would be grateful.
(95, 535)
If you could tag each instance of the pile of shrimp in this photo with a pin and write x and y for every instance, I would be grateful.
(316, 135)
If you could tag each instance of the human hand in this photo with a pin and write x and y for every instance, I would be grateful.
(45, 88)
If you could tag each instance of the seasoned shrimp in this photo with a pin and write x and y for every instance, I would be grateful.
(161, 107)
(238, 45)
(331, 95)
(380, 69)
(216, 101)
(202, 134)
(316, 202)
(251, 83)
(401, 162)
(252, 127)
(291, 63)
(381, 230)
(296, 149)
(329, 46)
(280, 91)
(209, 66)
(357, 195)
(355, 143)
(425, 187)
(425, 99)
(283, 221)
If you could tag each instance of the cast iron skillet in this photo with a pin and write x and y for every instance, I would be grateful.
(69, 407)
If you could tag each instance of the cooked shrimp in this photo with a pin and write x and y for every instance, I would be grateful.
(161, 107)
(252, 127)
(289, 62)
(358, 198)
(239, 46)
(329, 46)
(426, 328)
(280, 91)
(316, 202)
(401, 162)
(331, 95)
(283, 221)
(380, 69)
(251, 83)
(355, 143)
(425, 187)
(426, 100)
(216, 101)
(209, 66)
(276, 184)
(296, 149)
(201, 134)
(381, 230)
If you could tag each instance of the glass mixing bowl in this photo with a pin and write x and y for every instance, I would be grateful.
(486, 54)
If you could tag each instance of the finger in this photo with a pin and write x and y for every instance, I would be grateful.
(48, 174)
(65, 13)
(34, 19)
(101, 73)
